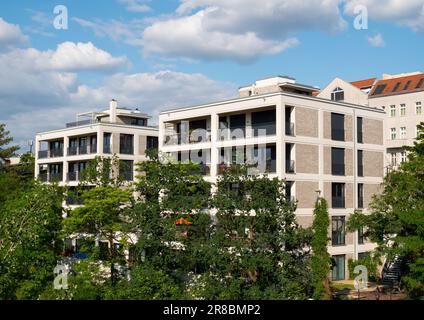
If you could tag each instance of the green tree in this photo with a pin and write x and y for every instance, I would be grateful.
(321, 259)
(396, 221)
(258, 246)
(6, 151)
(30, 224)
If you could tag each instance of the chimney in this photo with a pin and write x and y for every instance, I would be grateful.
(112, 110)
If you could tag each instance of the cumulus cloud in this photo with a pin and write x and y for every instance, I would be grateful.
(135, 5)
(376, 41)
(10, 35)
(407, 13)
(241, 29)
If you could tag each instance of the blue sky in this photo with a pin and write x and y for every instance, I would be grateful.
(157, 54)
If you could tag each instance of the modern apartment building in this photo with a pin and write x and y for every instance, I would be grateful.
(61, 155)
(321, 147)
(400, 96)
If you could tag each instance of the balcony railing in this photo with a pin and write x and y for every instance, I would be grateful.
(264, 129)
(200, 136)
(50, 177)
(52, 153)
(126, 149)
(106, 149)
(290, 166)
(80, 123)
(290, 129)
(74, 176)
(82, 150)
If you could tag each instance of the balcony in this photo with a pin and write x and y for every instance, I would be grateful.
(43, 154)
(186, 138)
(74, 176)
(80, 123)
(126, 149)
(53, 153)
(50, 177)
(82, 150)
(290, 166)
(290, 129)
(264, 129)
(107, 149)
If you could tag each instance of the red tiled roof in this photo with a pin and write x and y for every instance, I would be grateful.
(398, 85)
(364, 83)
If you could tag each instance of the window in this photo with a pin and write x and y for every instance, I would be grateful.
(363, 255)
(338, 231)
(403, 132)
(396, 87)
(106, 142)
(360, 163)
(337, 94)
(338, 272)
(139, 122)
(152, 143)
(338, 195)
(126, 170)
(420, 83)
(418, 108)
(403, 110)
(393, 133)
(126, 144)
(394, 159)
(392, 111)
(360, 196)
(380, 89)
(403, 156)
(337, 162)
(359, 130)
(407, 85)
(337, 127)
(264, 123)
(361, 237)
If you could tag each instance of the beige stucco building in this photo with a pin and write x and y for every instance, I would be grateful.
(321, 147)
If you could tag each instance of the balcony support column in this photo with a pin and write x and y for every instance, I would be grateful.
(280, 147)
(100, 140)
(214, 149)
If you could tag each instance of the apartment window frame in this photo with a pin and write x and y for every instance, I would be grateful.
(403, 110)
(126, 144)
(360, 129)
(338, 231)
(338, 162)
(338, 195)
(361, 236)
(107, 139)
(393, 133)
(394, 159)
(403, 133)
(126, 170)
(392, 111)
(418, 108)
(338, 272)
(152, 143)
(360, 163)
(337, 94)
(360, 196)
(337, 126)
(403, 156)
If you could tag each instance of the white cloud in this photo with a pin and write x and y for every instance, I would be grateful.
(136, 5)
(71, 56)
(241, 29)
(376, 41)
(408, 13)
(10, 35)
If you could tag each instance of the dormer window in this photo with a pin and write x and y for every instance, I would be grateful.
(337, 94)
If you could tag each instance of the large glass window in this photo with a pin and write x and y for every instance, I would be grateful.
(126, 145)
(360, 163)
(359, 129)
(106, 143)
(338, 231)
(338, 161)
(264, 123)
(338, 268)
(152, 143)
(337, 127)
(126, 170)
(338, 195)
(360, 196)
(361, 237)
